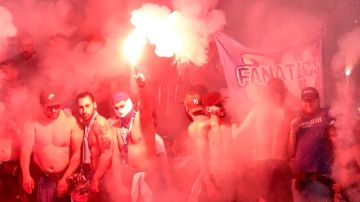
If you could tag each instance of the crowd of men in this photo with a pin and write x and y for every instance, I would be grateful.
(83, 156)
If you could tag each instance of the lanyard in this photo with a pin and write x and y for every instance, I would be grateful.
(86, 146)
(125, 136)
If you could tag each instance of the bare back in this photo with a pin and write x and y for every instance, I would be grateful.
(272, 131)
(220, 140)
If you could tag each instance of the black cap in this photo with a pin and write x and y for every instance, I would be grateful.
(309, 94)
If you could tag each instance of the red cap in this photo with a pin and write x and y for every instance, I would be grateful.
(213, 98)
(192, 102)
(49, 98)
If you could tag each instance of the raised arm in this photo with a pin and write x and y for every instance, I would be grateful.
(26, 149)
(75, 155)
(105, 143)
(146, 118)
(244, 126)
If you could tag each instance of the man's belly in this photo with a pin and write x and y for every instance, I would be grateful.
(52, 159)
(7, 152)
(139, 157)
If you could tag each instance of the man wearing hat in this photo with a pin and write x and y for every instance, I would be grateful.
(310, 146)
(218, 177)
(51, 143)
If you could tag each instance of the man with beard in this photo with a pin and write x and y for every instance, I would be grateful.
(97, 144)
(53, 140)
(310, 145)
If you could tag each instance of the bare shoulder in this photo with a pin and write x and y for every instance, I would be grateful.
(197, 128)
(191, 129)
(101, 125)
(31, 123)
(69, 118)
(100, 120)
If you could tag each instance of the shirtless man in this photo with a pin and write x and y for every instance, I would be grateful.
(135, 137)
(197, 131)
(97, 144)
(213, 142)
(53, 140)
(266, 129)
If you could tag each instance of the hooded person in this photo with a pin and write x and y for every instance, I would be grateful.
(137, 143)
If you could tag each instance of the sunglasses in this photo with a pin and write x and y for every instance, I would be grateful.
(51, 108)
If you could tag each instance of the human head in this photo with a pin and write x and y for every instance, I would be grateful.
(310, 101)
(276, 90)
(193, 104)
(213, 103)
(50, 103)
(122, 104)
(26, 45)
(86, 105)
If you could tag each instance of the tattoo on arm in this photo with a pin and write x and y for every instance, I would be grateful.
(104, 137)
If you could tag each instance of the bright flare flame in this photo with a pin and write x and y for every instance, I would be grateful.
(183, 33)
(347, 72)
(133, 47)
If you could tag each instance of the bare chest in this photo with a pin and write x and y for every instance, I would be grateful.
(57, 133)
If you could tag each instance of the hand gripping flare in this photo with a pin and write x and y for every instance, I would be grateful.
(140, 80)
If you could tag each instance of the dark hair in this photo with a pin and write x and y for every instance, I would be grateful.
(85, 94)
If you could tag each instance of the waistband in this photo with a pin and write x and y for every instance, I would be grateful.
(37, 172)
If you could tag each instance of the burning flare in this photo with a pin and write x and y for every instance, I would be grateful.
(180, 34)
(133, 46)
(347, 71)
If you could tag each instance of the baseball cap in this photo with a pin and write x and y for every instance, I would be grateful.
(49, 98)
(213, 98)
(120, 96)
(193, 102)
(309, 94)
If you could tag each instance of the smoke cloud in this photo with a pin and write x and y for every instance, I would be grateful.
(8, 29)
(344, 108)
(73, 46)
(183, 33)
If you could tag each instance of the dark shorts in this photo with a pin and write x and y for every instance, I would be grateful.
(10, 187)
(270, 180)
(46, 185)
